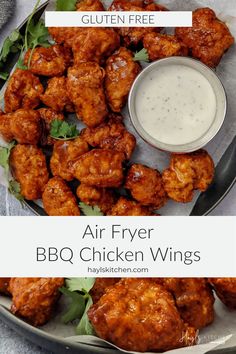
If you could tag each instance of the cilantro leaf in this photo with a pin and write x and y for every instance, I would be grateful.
(4, 75)
(15, 189)
(142, 55)
(77, 306)
(12, 44)
(80, 284)
(62, 130)
(90, 210)
(66, 5)
(84, 327)
(5, 155)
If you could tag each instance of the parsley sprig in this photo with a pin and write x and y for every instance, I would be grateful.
(90, 210)
(62, 130)
(68, 5)
(142, 55)
(77, 290)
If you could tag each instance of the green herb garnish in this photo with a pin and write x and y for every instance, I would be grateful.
(15, 190)
(90, 210)
(12, 44)
(62, 130)
(66, 5)
(142, 55)
(77, 290)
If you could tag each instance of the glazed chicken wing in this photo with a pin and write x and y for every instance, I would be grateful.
(121, 71)
(208, 39)
(48, 115)
(140, 315)
(56, 95)
(111, 135)
(23, 91)
(58, 200)
(28, 165)
(65, 155)
(187, 173)
(100, 168)
(100, 287)
(85, 88)
(34, 299)
(25, 126)
(51, 61)
(5, 131)
(4, 284)
(146, 186)
(194, 299)
(90, 5)
(104, 198)
(225, 289)
(95, 44)
(161, 46)
(126, 207)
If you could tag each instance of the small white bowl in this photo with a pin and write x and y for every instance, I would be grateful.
(221, 104)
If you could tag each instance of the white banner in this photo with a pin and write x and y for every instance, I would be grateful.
(118, 19)
(118, 247)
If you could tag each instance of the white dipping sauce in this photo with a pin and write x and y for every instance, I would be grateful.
(175, 104)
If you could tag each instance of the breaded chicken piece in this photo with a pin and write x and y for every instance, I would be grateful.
(58, 200)
(132, 36)
(26, 126)
(5, 131)
(65, 155)
(100, 168)
(121, 71)
(104, 198)
(48, 115)
(146, 186)
(208, 39)
(34, 299)
(65, 35)
(51, 61)
(95, 44)
(85, 89)
(4, 284)
(161, 46)
(140, 315)
(126, 207)
(111, 135)
(188, 172)
(23, 91)
(28, 165)
(194, 299)
(225, 289)
(100, 287)
(90, 5)
(56, 95)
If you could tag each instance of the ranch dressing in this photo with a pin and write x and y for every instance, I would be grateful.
(175, 104)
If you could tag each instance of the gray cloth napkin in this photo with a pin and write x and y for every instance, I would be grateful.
(7, 8)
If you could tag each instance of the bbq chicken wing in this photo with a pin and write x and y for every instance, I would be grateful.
(95, 45)
(23, 91)
(28, 165)
(121, 71)
(225, 289)
(100, 287)
(140, 315)
(126, 207)
(146, 186)
(194, 299)
(111, 135)
(34, 299)
(100, 168)
(26, 127)
(90, 5)
(208, 39)
(4, 284)
(85, 88)
(58, 200)
(65, 35)
(187, 173)
(51, 61)
(65, 155)
(5, 131)
(104, 198)
(161, 46)
(48, 115)
(56, 95)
